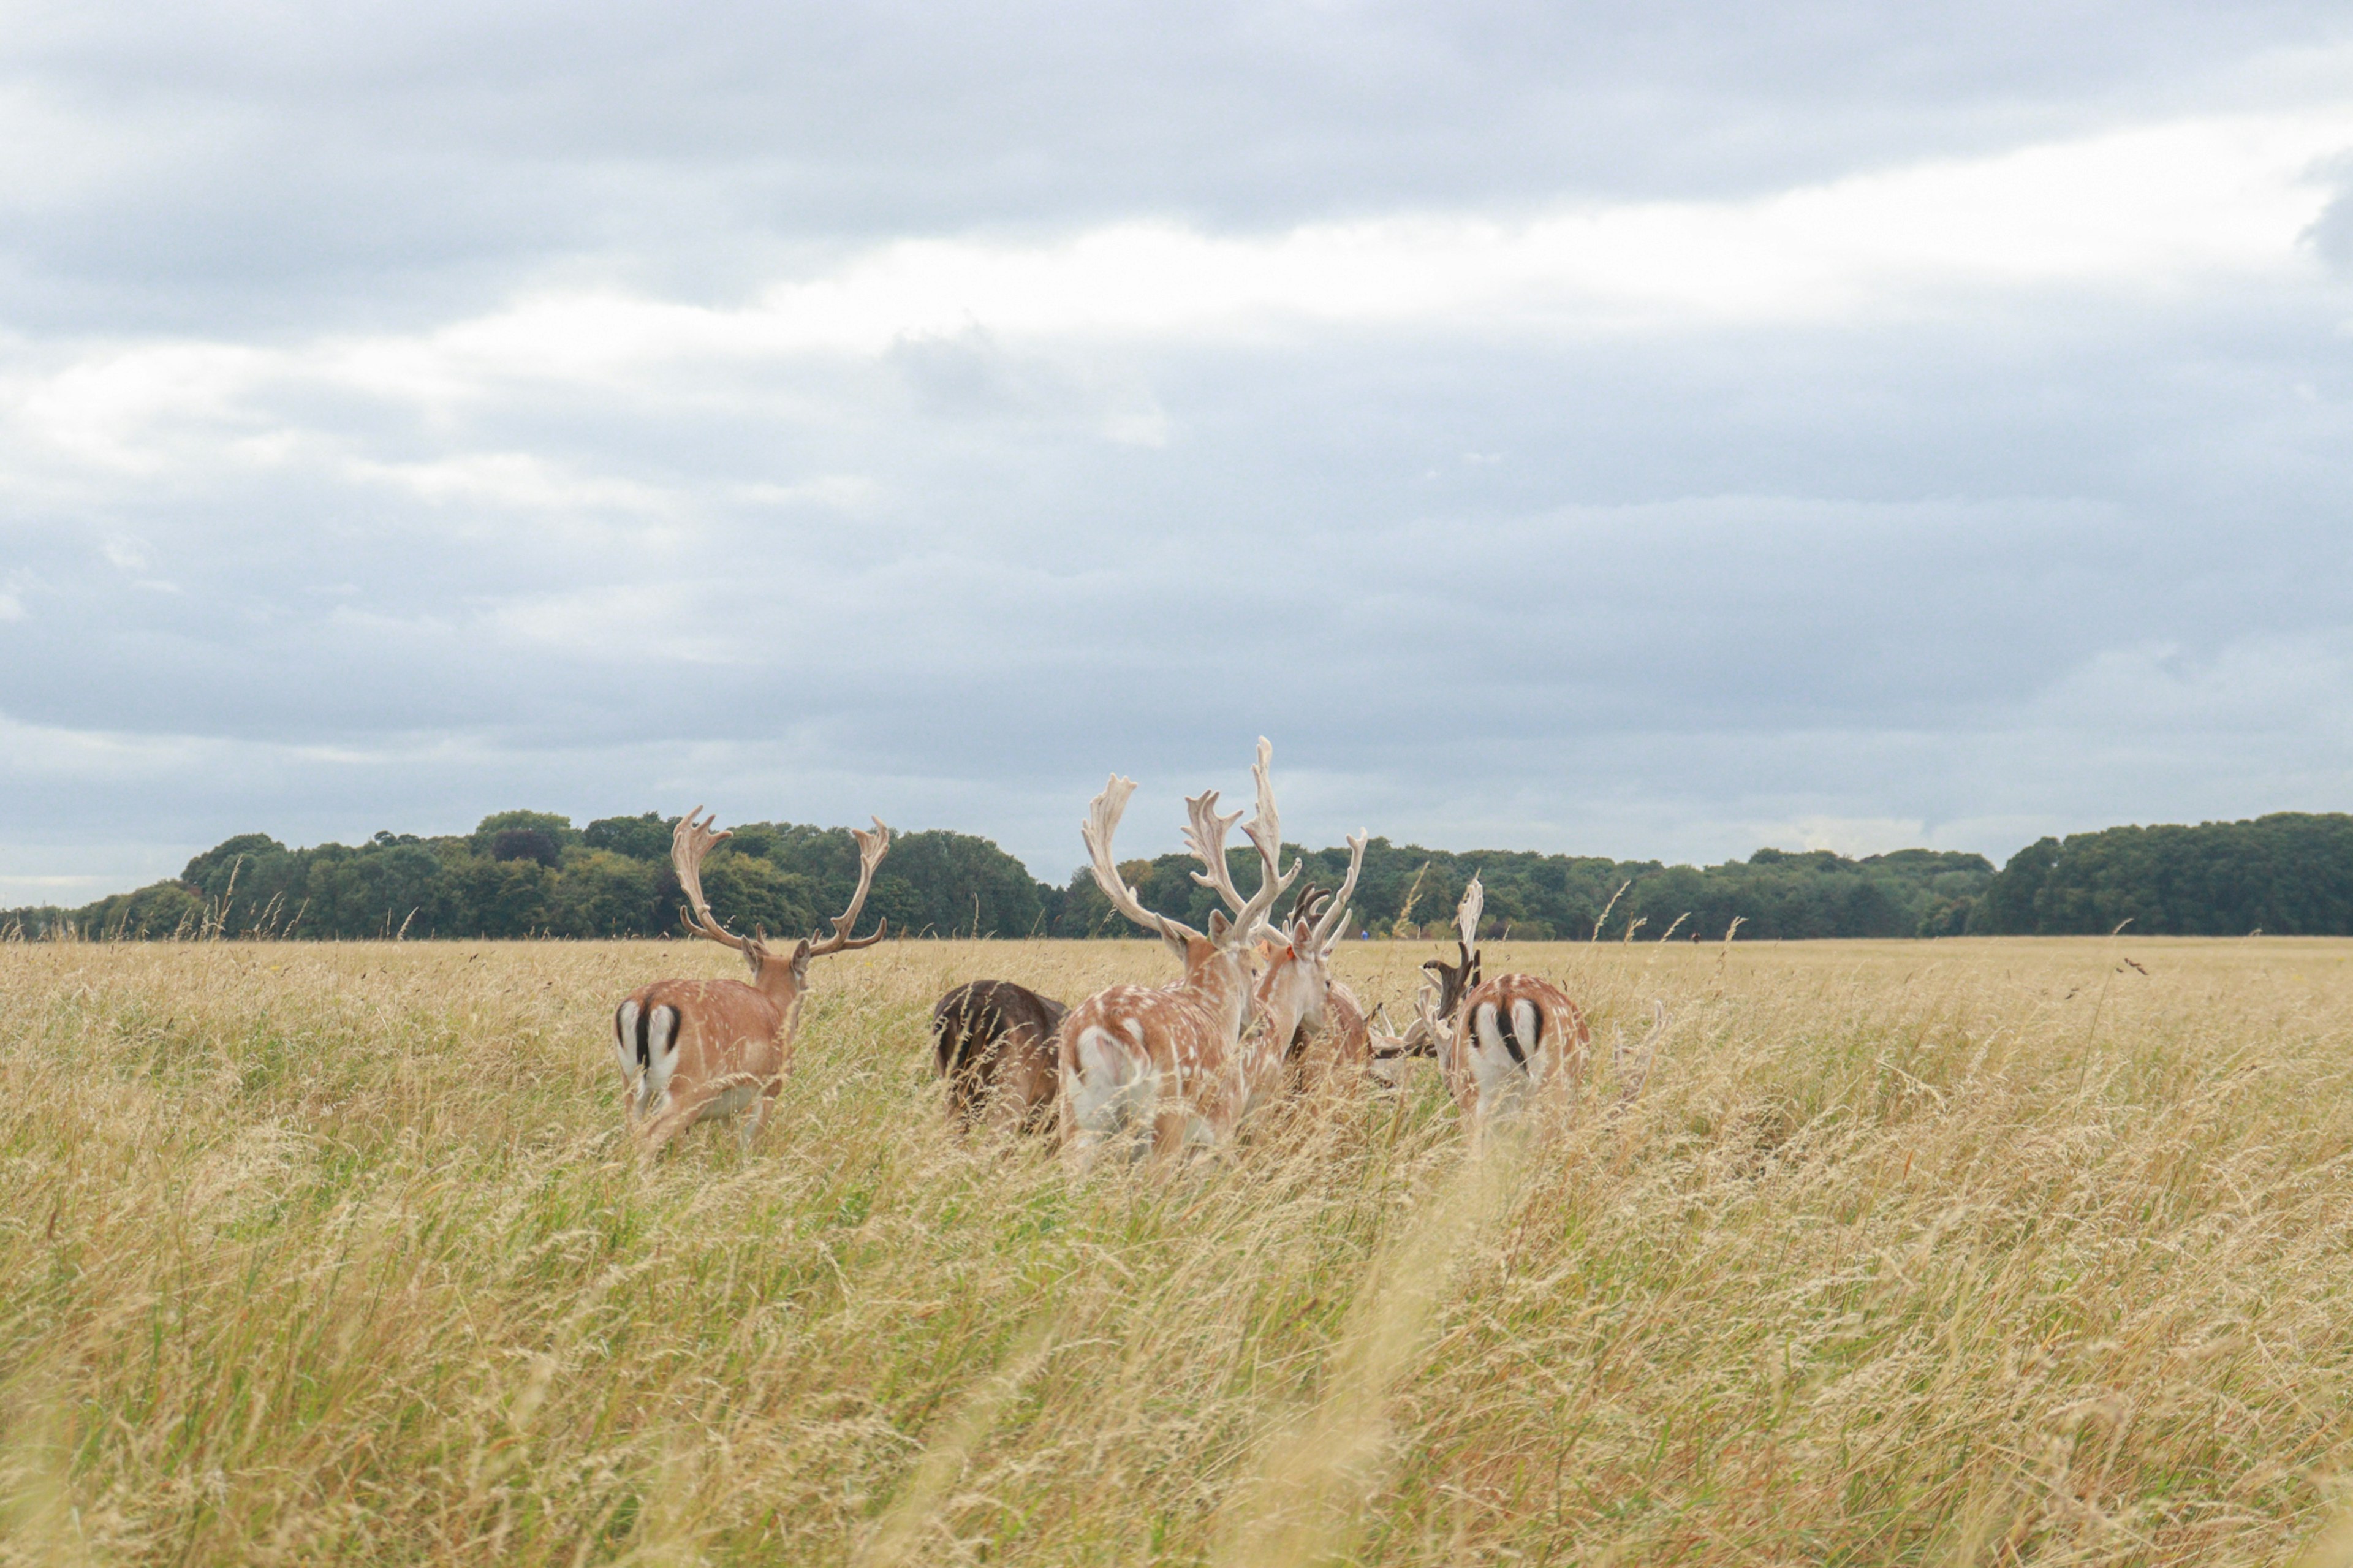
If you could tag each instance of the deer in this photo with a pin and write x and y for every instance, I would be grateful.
(1333, 1035)
(700, 1051)
(1440, 994)
(994, 1042)
(1498, 1040)
(1178, 1066)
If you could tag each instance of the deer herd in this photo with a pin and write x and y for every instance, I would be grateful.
(1138, 1070)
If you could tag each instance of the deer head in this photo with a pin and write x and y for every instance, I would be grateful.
(1459, 979)
(694, 840)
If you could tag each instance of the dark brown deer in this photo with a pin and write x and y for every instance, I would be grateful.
(994, 1042)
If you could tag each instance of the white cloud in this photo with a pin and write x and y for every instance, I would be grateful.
(2152, 209)
(514, 480)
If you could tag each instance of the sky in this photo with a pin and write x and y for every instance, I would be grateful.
(1650, 431)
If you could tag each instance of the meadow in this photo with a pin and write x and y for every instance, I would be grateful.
(1956, 1252)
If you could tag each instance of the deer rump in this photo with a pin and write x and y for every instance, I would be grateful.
(994, 1043)
(1516, 1032)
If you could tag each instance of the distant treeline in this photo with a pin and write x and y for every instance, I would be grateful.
(531, 873)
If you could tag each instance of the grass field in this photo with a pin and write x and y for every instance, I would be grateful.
(1950, 1253)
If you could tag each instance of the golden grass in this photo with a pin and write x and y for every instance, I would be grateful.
(1951, 1253)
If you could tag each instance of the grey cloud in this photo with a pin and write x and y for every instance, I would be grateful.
(2331, 235)
(2045, 560)
(383, 164)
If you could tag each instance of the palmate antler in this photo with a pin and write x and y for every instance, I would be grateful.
(1467, 912)
(1206, 837)
(871, 846)
(1455, 981)
(693, 838)
(1103, 813)
(689, 841)
(1423, 1038)
(1335, 914)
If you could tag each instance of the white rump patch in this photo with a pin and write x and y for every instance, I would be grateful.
(1113, 1092)
(661, 1058)
(625, 1042)
(1500, 1080)
(1489, 1038)
(1528, 1024)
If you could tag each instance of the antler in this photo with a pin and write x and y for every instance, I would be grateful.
(689, 841)
(1466, 913)
(1428, 1031)
(1264, 829)
(1335, 914)
(870, 849)
(1103, 820)
(1206, 837)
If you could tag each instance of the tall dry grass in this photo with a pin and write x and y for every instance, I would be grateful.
(1940, 1254)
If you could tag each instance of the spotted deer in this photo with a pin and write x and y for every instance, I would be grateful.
(1168, 1067)
(697, 1050)
(1333, 1042)
(994, 1042)
(1499, 1039)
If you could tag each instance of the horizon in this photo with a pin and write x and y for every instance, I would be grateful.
(1079, 869)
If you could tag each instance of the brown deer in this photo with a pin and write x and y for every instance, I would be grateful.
(1164, 1067)
(994, 1042)
(1498, 1040)
(695, 1050)
(1507, 1036)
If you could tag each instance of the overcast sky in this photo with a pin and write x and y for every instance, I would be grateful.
(1657, 431)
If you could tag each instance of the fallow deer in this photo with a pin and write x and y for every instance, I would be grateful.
(694, 1050)
(1505, 1035)
(994, 1042)
(1334, 1040)
(1176, 1064)
(1440, 996)
(1498, 1040)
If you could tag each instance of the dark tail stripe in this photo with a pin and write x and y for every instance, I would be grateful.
(1507, 1027)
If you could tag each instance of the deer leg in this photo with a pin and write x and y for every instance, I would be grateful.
(1168, 1129)
(653, 1137)
(756, 1120)
(657, 1133)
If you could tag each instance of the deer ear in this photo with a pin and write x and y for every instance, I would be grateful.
(1219, 927)
(800, 959)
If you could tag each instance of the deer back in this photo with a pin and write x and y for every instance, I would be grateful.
(680, 1041)
(1143, 1051)
(994, 1042)
(1511, 1033)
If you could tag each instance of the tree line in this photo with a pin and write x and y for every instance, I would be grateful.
(534, 874)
